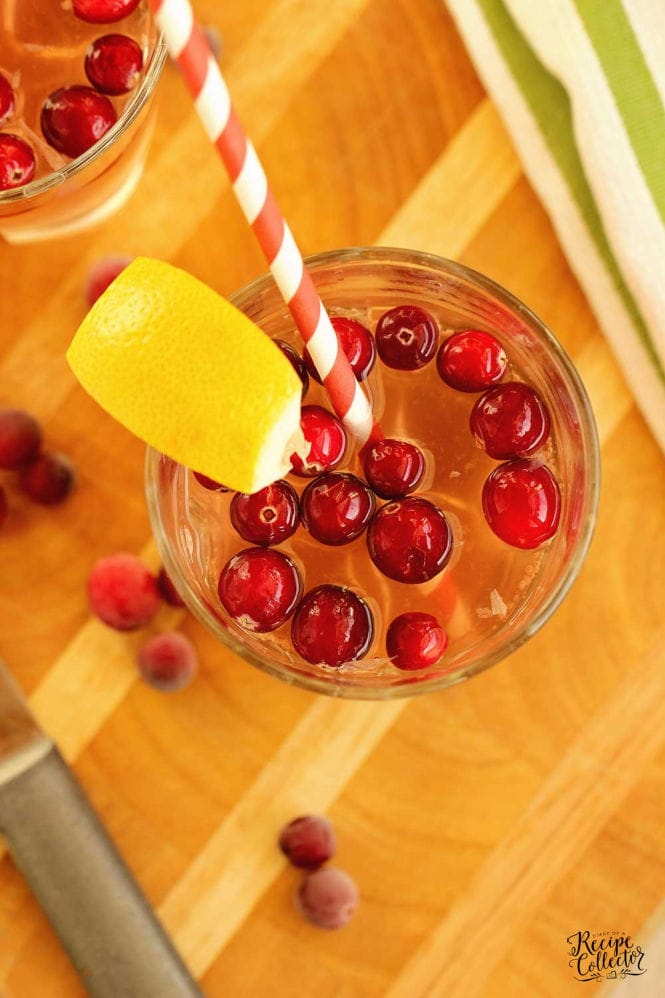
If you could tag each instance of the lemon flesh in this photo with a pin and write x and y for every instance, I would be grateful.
(188, 373)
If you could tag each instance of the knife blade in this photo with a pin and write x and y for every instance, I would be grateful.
(111, 933)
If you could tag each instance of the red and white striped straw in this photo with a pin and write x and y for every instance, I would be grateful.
(189, 47)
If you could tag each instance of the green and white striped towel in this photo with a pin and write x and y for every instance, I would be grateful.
(580, 85)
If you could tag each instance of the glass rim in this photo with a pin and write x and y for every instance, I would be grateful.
(57, 177)
(558, 591)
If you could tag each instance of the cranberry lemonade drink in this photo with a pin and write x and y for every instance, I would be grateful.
(418, 560)
(72, 75)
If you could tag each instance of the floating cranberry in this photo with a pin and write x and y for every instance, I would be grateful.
(20, 438)
(104, 11)
(48, 479)
(209, 483)
(297, 363)
(328, 898)
(357, 344)
(102, 274)
(394, 467)
(113, 64)
(308, 841)
(74, 118)
(259, 588)
(326, 438)
(510, 420)
(331, 626)
(336, 508)
(122, 592)
(471, 360)
(3, 505)
(268, 516)
(167, 590)
(406, 337)
(168, 661)
(410, 540)
(415, 640)
(17, 162)
(7, 102)
(522, 503)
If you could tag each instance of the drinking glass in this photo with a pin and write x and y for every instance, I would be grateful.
(491, 597)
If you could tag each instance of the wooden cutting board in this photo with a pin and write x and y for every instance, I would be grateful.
(485, 824)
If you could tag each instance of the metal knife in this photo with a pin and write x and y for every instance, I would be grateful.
(111, 933)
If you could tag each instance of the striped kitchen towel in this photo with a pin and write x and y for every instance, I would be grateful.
(580, 85)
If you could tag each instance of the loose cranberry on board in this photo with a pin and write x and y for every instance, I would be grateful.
(328, 898)
(20, 438)
(308, 841)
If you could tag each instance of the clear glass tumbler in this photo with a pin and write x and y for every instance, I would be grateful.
(90, 188)
(491, 597)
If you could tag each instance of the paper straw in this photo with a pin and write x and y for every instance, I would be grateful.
(189, 47)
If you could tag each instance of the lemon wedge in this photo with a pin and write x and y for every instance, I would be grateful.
(189, 374)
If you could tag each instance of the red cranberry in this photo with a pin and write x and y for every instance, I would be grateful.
(168, 661)
(307, 842)
(7, 101)
(259, 588)
(510, 420)
(209, 483)
(122, 592)
(415, 640)
(332, 626)
(102, 274)
(20, 438)
(113, 64)
(328, 898)
(17, 162)
(471, 360)
(336, 508)
(410, 540)
(3, 505)
(406, 337)
(104, 11)
(326, 438)
(297, 363)
(48, 479)
(167, 590)
(522, 503)
(357, 343)
(74, 118)
(268, 516)
(394, 467)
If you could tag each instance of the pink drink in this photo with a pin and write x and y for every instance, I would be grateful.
(490, 595)
(56, 175)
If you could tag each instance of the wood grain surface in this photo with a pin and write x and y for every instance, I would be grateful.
(484, 824)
